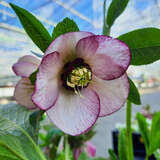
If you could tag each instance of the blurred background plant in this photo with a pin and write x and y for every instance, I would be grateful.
(145, 134)
(53, 142)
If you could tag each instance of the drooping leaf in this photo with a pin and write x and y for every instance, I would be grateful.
(143, 127)
(122, 152)
(65, 26)
(144, 45)
(18, 143)
(115, 10)
(33, 27)
(134, 95)
(155, 134)
(21, 116)
(112, 155)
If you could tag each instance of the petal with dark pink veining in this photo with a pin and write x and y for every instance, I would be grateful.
(113, 94)
(25, 66)
(23, 92)
(46, 86)
(75, 114)
(108, 58)
(65, 44)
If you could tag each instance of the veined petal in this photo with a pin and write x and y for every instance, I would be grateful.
(46, 86)
(23, 92)
(74, 114)
(65, 45)
(113, 94)
(108, 58)
(25, 66)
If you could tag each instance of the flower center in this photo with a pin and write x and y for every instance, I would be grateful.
(76, 75)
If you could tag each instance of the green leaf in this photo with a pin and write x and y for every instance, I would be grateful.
(112, 154)
(134, 95)
(65, 26)
(32, 77)
(6, 154)
(155, 134)
(21, 116)
(17, 144)
(115, 9)
(143, 127)
(83, 156)
(99, 158)
(122, 152)
(33, 27)
(144, 45)
(34, 121)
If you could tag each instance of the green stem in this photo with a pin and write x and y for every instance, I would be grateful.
(106, 29)
(66, 148)
(129, 131)
(147, 157)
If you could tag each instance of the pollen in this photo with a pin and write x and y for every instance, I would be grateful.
(79, 77)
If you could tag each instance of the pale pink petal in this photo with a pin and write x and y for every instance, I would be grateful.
(90, 149)
(76, 153)
(25, 66)
(108, 58)
(113, 94)
(30, 59)
(65, 45)
(75, 114)
(23, 92)
(46, 86)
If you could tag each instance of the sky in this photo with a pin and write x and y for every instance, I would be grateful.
(138, 14)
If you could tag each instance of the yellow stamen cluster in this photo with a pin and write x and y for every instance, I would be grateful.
(79, 78)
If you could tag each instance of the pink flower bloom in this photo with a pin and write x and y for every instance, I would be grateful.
(90, 149)
(24, 89)
(80, 78)
(77, 153)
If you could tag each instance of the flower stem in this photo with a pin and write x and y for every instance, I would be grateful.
(129, 131)
(147, 158)
(67, 156)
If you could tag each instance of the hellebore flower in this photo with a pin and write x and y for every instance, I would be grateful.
(81, 77)
(88, 147)
(25, 66)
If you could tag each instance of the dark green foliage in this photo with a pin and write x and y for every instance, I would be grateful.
(65, 26)
(115, 10)
(142, 124)
(144, 45)
(32, 77)
(33, 27)
(134, 95)
(81, 139)
(21, 116)
(15, 143)
(112, 155)
(155, 134)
